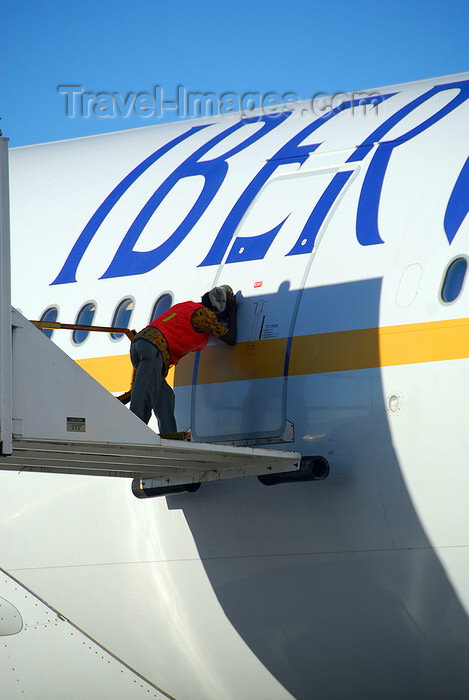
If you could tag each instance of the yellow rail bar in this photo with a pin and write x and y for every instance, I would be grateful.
(78, 327)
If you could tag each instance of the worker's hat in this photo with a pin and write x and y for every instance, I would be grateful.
(217, 297)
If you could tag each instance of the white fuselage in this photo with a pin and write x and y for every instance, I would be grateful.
(337, 231)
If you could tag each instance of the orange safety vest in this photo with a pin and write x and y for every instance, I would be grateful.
(176, 326)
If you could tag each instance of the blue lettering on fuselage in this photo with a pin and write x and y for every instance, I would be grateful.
(69, 270)
(458, 204)
(128, 261)
(255, 247)
(368, 204)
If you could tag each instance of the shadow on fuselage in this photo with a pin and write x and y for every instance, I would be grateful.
(334, 585)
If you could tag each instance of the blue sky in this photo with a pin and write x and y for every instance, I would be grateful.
(127, 48)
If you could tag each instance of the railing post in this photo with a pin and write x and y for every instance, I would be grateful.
(5, 306)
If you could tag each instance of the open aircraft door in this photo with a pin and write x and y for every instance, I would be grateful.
(239, 393)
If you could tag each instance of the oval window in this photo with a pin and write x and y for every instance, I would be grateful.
(121, 318)
(49, 314)
(454, 280)
(84, 318)
(162, 304)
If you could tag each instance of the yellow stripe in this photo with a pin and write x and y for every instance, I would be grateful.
(380, 347)
(424, 342)
(338, 351)
(222, 363)
(114, 372)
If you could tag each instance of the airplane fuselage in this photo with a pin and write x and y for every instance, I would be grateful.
(346, 238)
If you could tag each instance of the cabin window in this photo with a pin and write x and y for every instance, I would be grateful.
(121, 318)
(161, 305)
(453, 280)
(84, 318)
(49, 314)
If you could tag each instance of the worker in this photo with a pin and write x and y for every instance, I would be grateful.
(183, 328)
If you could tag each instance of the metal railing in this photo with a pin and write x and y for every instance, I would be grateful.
(55, 325)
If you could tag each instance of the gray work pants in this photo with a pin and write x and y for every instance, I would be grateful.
(150, 389)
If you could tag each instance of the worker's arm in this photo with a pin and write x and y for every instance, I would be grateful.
(232, 306)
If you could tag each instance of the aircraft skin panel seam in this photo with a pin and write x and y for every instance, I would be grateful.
(85, 634)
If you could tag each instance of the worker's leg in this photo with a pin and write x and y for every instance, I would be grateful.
(144, 356)
(164, 408)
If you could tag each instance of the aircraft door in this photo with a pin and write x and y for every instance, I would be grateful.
(239, 393)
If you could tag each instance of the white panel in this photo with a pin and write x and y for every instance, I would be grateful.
(148, 615)
(431, 448)
(54, 387)
(51, 658)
